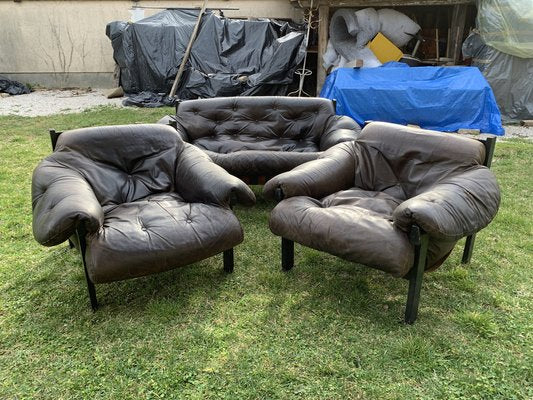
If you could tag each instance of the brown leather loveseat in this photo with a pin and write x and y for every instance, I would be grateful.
(398, 199)
(254, 137)
(136, 200)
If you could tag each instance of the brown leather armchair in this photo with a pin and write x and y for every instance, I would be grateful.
(398, 199)
(135, 200)
(256, 138)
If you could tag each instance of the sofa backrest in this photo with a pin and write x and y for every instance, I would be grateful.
(121, 163)
(266, 117)
(404, 161)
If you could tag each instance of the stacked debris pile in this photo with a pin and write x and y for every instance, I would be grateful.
(228, 58)
(350, 31)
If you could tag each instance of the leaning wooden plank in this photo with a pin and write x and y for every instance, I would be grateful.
(187, 51)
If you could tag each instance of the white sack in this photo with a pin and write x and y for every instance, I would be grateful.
(369, 26)
(397, 26)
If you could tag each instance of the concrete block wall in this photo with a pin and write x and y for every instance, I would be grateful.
(59, 44)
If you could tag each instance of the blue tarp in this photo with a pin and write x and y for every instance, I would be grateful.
(438, 98)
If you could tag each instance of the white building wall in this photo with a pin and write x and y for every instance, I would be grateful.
(63, 43)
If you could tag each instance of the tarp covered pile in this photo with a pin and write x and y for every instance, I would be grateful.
(439, 98)
(503, 50)
(510, 77)
(228, 58)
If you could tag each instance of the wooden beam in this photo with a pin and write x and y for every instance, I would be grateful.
(375, 3)
(187, 51)
(457, 29)
(323, 35)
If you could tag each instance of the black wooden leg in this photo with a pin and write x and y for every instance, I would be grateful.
(287, 254)
(415, 279)
(70, 244)
(469, 248)
(90, 285)
(228, 260)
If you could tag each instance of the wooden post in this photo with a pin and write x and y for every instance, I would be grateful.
(323, 34)
(457, 30)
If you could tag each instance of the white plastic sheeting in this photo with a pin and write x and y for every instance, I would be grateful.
(507, 25)
(332, 59)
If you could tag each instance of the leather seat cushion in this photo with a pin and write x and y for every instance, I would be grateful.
(354, 224)
(231, 143)
(261, 163)
(158, 233)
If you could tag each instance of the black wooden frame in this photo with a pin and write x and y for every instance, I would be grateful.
(227, 255)
(417, 237)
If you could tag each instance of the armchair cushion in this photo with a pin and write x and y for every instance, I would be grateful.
(353, 224)
(333, 171)
(198, 179)
(455, 207)
(339, 128)
(158, 233)
(260, 163)
(62, 199)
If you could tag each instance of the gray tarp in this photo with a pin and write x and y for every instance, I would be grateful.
(510, 77)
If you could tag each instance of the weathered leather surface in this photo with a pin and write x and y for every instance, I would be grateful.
(257, 163)
(250, 136)
(359, 200)
(157, 233)
(148, 201)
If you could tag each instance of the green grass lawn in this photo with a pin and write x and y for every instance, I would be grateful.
(328, 329)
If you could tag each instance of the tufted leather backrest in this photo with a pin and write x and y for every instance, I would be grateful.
(266, 117)
(121, 163)
(404, 162)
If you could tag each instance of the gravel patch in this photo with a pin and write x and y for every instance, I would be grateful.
(519, 132)
(48, 102)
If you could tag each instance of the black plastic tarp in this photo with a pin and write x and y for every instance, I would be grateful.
(150, 51)
(12, 87)
(228, 58)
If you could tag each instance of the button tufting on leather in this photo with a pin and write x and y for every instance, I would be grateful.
(188, 220)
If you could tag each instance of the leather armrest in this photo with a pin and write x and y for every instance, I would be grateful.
(171, 120)
(61, 200)
(200, 180)
(339, 128)
(455, 207)
(333, 171)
